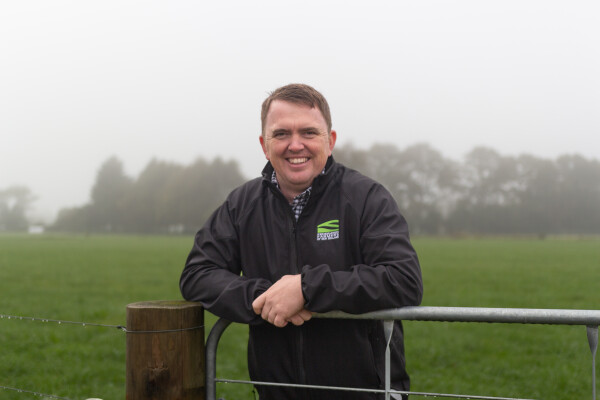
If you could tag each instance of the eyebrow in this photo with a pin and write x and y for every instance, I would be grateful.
(309, 129)
(302, 130)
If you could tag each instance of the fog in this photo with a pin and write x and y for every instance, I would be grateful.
(83, 81)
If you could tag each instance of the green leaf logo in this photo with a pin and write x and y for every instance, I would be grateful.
(329, 226)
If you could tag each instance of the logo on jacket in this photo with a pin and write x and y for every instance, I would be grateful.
(328, 230)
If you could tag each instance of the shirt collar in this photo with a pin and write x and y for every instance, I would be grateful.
(302, 197)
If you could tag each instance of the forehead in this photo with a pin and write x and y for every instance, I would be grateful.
(287, 115)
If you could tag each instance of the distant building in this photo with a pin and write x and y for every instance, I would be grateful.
(36, 229)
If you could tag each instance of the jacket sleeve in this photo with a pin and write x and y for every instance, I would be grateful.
(389, 275)
(212, 274)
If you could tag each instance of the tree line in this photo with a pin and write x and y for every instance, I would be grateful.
(165, 198)
(485, 193)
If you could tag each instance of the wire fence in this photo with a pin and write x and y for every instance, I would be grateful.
(30, 392)
(60, 322)
(588, 318)
(120, 328)
(84, 324)
(20, 318)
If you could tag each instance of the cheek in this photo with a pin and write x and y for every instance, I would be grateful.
(274, 152)
(325, 150)
(271, 150)
(266, 153)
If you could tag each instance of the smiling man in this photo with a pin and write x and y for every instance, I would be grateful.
(297, 141)
(309, 236)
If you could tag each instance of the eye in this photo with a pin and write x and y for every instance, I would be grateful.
(278, 134)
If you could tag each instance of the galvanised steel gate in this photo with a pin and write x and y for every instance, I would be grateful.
(588, 318)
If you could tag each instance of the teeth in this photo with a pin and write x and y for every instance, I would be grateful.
(298, 160)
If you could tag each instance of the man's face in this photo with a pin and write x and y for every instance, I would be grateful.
(297, 144)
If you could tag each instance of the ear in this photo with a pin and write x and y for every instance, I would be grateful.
(263, 145)
(332, 139)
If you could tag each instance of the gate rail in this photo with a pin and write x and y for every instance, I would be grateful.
(588, 318)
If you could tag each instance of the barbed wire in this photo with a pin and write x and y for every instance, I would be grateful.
(38, 394)
(84, 324)
(59, 321)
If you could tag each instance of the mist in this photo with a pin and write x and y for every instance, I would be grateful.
(82, 82)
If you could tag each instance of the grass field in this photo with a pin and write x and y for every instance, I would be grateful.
(92, 279)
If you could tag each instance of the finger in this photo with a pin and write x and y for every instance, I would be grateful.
(305, 314)
(279, 322)
(272, 314)
(265, 314)
(297, 320)
(258, 303)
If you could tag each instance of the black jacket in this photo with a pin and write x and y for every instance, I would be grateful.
(352, 247)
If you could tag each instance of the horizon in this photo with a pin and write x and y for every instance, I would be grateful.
(50, 219)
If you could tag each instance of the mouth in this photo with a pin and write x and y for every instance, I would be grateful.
(297, 160)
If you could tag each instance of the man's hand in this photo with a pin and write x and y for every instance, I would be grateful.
(283, 302)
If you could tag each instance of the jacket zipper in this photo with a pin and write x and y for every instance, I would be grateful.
(299, 330)
(295, 269)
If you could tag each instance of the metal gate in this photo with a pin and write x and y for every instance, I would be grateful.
(588, 318)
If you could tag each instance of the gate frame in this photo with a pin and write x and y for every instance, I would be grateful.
(588, 318)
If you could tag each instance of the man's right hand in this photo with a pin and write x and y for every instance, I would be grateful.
(283, 302)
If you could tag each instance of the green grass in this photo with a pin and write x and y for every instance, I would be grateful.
(92, 279)
(89, 279)
(529, 361)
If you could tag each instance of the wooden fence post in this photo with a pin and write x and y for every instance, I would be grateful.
(165, 351)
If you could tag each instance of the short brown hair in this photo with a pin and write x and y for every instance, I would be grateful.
(297, 93)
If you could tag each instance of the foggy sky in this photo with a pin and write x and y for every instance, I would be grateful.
(81, 81)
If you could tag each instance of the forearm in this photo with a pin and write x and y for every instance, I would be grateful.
(361, 288)
(222, 292)
(384, 273)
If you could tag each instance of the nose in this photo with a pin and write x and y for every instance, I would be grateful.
(296, 143)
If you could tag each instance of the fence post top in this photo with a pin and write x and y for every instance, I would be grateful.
(169, 304)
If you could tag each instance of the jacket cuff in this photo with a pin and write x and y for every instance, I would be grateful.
(304, 283)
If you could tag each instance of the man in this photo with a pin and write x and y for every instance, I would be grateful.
(309, 236)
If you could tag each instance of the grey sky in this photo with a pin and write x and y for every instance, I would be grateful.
(81, 81)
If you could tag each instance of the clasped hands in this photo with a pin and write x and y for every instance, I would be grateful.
(283, 302)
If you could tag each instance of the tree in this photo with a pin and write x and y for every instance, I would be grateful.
(578, 197)
(537, 208)
(148, 202)
(429, 189)
(76, 219)
(422, 181)
(200, 189)
(15, 201)
(108, 197)
(490, 188)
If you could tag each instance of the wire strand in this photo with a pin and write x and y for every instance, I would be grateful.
(60, 321)
(84, 324)
(51, 396)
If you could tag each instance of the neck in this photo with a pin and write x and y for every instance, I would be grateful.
(290, 194)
